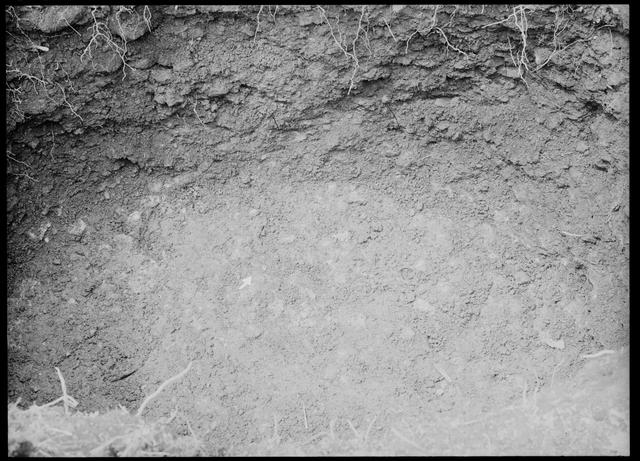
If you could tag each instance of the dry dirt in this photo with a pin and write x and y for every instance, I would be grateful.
(424, 264)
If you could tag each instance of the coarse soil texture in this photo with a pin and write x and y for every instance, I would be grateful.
(391, 230)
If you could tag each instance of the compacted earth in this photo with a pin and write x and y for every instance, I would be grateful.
(369, 229)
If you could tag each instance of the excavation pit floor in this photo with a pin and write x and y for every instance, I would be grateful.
(321, 316)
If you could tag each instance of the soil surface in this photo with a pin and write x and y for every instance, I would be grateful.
(407, 245)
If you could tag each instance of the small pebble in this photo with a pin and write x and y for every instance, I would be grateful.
(78, 228)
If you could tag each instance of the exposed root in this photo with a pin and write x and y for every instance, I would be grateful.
(195, 105)
(350, 55)
(520, 60)
(161, 388)
(598, 354)
(100, 33)
(11, 68)
(257, 24)
(304, 413)
(146, 15)
(11, 157)
(449, 45)
(367, 43)
(426, 31)
(273, 15)
(72, 28)
(390, 31)
(366, 434)
(66, 399)
(353, 429)
(433, 25)
(67, 103)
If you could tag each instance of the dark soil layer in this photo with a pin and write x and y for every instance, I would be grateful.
(410, 245)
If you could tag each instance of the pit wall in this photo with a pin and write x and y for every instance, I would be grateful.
(181, 86)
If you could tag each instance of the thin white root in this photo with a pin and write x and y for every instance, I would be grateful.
(390, 31)
(304, 412)
(161, 388)
(572, 235)
(449, 45)
(353, 429)
(520, 60)
(598, 354)
(66, 399)
(255, 35)
(195, 105)
(350, 55)
(366, 435)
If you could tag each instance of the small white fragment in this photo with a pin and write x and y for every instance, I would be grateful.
(546, 338)
(245, 283)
